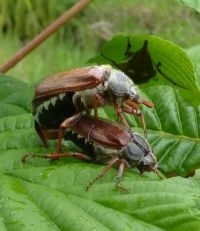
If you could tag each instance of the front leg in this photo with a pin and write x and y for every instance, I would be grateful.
(133, 109)
(56, 156)
(69, 122)
(123, 163)
(130, 110)
(98, 100)
(114, 161)
(119, 111)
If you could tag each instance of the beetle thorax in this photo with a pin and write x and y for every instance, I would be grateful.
(138, 153)
(122, 86)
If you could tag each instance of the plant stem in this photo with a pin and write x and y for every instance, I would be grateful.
(75, 9)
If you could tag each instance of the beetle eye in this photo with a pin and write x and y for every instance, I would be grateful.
(134, 93)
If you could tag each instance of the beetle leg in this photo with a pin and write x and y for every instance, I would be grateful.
(102, 173)
(69, 122)
(98, 100)
(135, 105)
(122, 165)
(56, 156)
(131, 110)
(119, 110)
(147, 103)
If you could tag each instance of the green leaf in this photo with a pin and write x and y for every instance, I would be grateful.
(194, 53)
(18, 211)
(10, 85)
(16, 93)
(8, 109)
(173, 129)
(195, 4)
(175, 63)
(173, 126)
(40, 194)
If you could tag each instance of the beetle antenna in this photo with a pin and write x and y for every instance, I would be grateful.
(159, 174)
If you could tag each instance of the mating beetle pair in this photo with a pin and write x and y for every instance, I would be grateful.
(83, 89)
(61, 102)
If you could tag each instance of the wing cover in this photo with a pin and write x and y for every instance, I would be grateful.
(106, 133)
(73, 80)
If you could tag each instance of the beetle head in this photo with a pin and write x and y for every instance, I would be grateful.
(148, 163)
(138, 153)
(122, 85)
(133, 93)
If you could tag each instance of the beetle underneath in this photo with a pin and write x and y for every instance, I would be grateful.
(118, 145)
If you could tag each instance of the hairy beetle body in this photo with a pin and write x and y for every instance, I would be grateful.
(80, 90)
(118, 141)
(118, 145)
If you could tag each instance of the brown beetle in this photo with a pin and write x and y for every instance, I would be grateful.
(104, 142)
(83, 89)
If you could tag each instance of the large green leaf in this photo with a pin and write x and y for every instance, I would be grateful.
(173, 129)
(175, 63)
(195, 4)
(15, 94)
(40, 194)
(194, 53)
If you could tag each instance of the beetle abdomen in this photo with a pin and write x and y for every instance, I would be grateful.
(51, 113)
(116, 135)
(81, 142)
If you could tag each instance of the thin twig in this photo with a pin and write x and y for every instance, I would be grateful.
(75, 9)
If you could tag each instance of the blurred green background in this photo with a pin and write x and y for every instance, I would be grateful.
(83, 36)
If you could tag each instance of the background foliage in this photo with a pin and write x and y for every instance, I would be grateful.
(40, 194)
(86, 33)
(27, 18)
